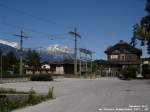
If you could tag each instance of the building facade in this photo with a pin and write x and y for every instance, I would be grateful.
(120, 55)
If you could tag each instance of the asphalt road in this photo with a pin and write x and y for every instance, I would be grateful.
(88, 95)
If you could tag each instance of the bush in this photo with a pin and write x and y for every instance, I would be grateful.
(146, 71)
(41, 77)
(129, 72)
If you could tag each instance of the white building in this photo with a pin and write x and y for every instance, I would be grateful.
(46, 66)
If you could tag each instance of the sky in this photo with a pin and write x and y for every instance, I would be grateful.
(101, 23)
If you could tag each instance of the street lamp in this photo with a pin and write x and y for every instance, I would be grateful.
(3, 54)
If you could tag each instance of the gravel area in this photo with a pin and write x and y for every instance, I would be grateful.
(88, 95)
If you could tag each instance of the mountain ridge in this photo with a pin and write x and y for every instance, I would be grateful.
(54, 52)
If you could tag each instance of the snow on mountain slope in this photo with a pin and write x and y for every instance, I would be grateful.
(55, 52)
(55, 49)
(12, 44)
(51, 53)
(59, 48)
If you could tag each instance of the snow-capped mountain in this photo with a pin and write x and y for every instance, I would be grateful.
(7, 46)
(6, 49)
(55, 53)
(11, 44)
(58, 48)
(51, 53)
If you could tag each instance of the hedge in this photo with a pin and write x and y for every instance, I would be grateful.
(41, 77)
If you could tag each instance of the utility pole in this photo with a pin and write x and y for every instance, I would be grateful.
(91, 62)
(1, 67)
(80, 64)
(21, 50)
(86, 65)
(75, 35)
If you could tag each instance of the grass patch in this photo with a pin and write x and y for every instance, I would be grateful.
(88, 75)
(7, 105)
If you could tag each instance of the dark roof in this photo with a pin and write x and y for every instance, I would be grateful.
(61, 62)
(123, 47)
(101, 62)
(36, 69)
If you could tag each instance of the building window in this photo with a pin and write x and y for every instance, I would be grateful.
(145, 62)
(122, 57)
(114, 56)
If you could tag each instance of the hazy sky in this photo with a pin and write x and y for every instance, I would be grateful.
(101, 23)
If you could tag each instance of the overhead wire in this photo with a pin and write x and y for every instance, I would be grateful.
(51, 36)
(31, 15)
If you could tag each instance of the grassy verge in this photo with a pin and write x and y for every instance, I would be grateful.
(88, 75)
(7, 105)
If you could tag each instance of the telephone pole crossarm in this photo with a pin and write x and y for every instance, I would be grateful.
(21, 50)
(75, 35)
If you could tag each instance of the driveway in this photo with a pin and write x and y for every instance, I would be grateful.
(88, 95)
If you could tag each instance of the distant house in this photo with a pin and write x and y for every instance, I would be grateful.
(53, 67)
(47, 66)
(62, 67)
(31, 70)
(101, 67)
(120, 55)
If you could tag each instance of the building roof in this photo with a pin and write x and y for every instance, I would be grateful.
(61, 62)
(123, 47)
(102, 62)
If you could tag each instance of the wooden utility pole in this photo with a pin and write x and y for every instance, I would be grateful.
(91, 63)
(21, 50)
(80, 64)
(1, 66)
(75, 35)
(86, 65)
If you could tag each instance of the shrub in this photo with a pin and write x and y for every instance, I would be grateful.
(41, 77)
(129, 72)
(3, 103)
(146, 71)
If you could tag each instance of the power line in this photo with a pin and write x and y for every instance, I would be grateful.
(5, 33)
(21, 27)
(25, 13)
(51, 36)
(33, 16)
(30, 15)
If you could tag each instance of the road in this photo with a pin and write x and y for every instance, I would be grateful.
(88, 95)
